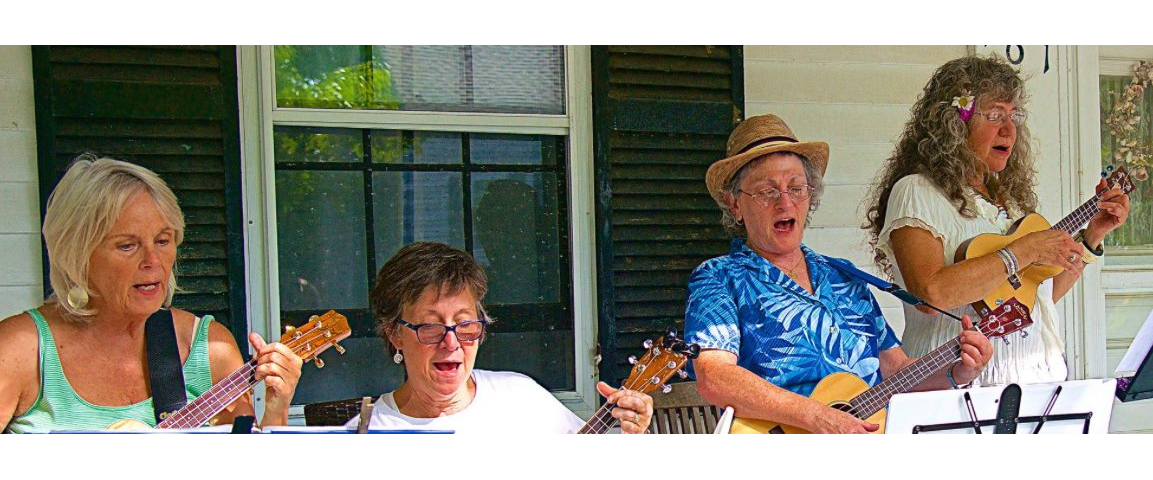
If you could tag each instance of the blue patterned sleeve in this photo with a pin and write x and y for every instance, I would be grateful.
(711, 318)
(887, 338)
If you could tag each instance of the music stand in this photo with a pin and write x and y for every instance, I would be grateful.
(1080, 406)
(1140, 385)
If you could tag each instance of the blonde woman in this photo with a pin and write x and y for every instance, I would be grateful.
(77, 361)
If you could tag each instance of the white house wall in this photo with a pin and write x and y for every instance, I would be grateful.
(21, 279)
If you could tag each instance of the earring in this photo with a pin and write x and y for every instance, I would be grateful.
(77, 298)
(398, 358)
(740, 221)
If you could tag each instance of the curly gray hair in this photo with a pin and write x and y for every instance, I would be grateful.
(935, 143)
(812, 176)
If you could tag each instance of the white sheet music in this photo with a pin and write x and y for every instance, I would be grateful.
(1139, 348)
(909, 412)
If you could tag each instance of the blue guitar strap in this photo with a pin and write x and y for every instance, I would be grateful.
(165, 374)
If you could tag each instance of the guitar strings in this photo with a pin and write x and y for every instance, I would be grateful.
(231, 387)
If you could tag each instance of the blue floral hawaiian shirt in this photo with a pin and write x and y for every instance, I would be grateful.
(744, 304)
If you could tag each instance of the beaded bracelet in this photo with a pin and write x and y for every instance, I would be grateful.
(949, 375)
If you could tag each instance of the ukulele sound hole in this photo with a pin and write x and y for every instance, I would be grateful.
(844, 407)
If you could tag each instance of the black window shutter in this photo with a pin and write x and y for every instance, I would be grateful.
(662, 114)
(174, 110)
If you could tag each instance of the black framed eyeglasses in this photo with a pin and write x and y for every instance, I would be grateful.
(434, 333)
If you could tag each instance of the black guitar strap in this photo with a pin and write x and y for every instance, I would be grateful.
(165, 374)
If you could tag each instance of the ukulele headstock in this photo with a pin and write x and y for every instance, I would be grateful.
(1118, 176)
(1009, 317)
(661, 361)
(320, 333)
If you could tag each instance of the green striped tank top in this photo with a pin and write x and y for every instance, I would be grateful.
(59, 407)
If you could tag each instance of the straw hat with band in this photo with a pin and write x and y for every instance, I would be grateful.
(754, 138)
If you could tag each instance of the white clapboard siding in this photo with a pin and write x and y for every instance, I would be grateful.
(910, 54)
(1126, 51)
(839, 123)
(833, 82)
(21, 280)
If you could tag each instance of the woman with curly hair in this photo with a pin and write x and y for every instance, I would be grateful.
(962, 167)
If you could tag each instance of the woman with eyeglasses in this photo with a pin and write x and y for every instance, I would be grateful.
(773, 317)
(427, 304)
(962, 167)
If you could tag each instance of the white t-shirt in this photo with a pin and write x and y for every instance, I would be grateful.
(505, 402)
(917, 202)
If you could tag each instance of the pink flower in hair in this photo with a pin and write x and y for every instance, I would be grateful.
(965, 105)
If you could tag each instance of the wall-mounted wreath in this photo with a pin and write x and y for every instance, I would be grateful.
(1125, 123)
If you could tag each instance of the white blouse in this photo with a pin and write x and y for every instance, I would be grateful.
(917, 202)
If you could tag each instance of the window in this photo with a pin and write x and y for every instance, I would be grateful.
(365, 149)
(1134, 239)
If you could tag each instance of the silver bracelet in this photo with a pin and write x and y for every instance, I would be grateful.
(1011, 266)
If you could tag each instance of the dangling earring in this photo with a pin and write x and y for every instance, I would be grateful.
(740, 221)
(77, 298)
(398, 358)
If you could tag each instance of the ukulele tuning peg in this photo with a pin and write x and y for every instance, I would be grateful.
(1024, 334)
(671, 365)
(632, 359)
(289, 328)
(694, 350)
(319, 363)
(648, 344)
(666, 388)
(339, 349)
(683, 374)
(1006, 340)
(1109, 168)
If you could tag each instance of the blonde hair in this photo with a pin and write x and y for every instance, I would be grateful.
(82, 210)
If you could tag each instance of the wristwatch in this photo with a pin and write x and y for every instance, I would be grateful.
(1089, 255)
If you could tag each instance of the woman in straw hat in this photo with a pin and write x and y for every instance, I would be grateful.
(964, 167)
(773, 317)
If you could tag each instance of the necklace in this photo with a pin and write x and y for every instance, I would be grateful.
(792, 272)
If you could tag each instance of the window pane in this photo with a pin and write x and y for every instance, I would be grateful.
(321, 240)
(388, 146)
(1124, 315)
(444, 78)
(513, 149)
(512, 222)
(321, 145)
(546, 356)
(331, 76)
(416, 206)
(515, 223)
(1135, 237)
(391, 146)
(436, 147)
(516, 230)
